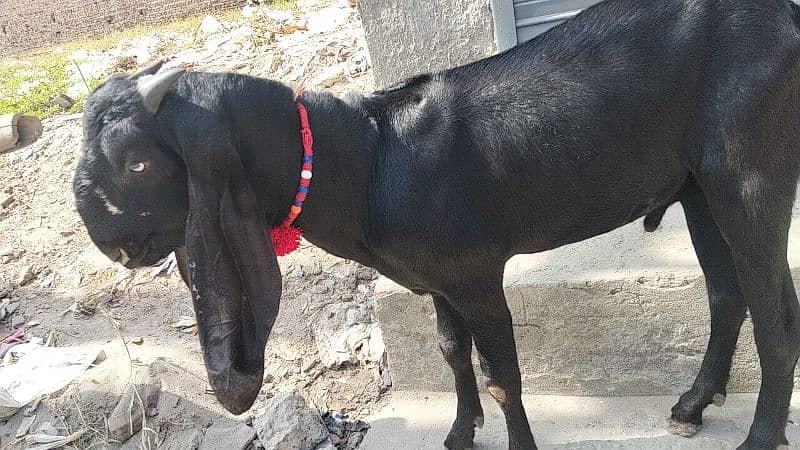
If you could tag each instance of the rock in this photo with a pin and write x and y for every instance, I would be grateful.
(5, 288)
(210, 25)
(288, 423)
(64, 101)
(127, 417)
(142, 55)
(327, 19)
(354, 440)
(181, 440)
(24, 426)
(228, 434)
(334, 422)
(47, 427)
(327, 445)
(320, 289)
(138, 340)
(17, 131)
(25, 275)
(248, 11)
(6, 200)
(309, 364)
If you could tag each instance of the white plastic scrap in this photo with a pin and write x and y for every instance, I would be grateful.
(40, 371)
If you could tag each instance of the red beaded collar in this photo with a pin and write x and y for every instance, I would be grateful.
(286, 237)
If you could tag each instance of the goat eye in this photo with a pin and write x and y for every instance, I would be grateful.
(137, 167)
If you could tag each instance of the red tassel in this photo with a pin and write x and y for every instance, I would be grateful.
(285, 240)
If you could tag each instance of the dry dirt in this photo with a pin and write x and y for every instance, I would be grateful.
(325, 342)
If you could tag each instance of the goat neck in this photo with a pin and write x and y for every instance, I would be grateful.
(334, 214)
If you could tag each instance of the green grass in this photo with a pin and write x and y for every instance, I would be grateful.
(45, 75)
(49, 65)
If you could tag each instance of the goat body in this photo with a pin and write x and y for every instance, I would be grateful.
(438, 180)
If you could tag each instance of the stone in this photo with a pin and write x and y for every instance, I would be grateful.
(210, 25)
(248, 11)
(326, 19)
(327, 445)
(287, 423)
(354, 440)
(127, 417)
(5, 288)
(228, 434)
(6, 200)
(25, 275)
(181, 440)
(64, 101)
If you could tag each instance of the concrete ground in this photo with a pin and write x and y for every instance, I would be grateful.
(421, 420)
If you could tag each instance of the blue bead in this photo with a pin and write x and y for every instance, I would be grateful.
(298, 202)
(303, 189)
(308, 159)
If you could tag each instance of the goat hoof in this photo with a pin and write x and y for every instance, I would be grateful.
(748, 446)
(718, 399)
(460, 438)
(684, 429)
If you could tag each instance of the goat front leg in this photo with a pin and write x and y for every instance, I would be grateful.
(486, 315)
(455, 343)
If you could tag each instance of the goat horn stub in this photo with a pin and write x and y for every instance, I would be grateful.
(149, 70)
(153, 88)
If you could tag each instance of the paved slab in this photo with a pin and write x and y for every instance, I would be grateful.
(421, 420)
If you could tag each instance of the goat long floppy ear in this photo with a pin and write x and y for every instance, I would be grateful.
(235, 278)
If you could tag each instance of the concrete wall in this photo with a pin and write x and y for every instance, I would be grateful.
(406, 37)
(31, 24)
(625, 313)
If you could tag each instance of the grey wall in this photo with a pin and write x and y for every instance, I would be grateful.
(406, 37)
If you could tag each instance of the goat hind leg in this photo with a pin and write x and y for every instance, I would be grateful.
(455, 343)
(727, 307)
(753, 211)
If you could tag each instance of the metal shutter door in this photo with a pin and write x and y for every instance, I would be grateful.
(533, 17)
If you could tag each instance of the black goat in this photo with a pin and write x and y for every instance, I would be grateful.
(436, 182)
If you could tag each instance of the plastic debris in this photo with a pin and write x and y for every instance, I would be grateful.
(166, 267)
(186, 325)
(41, 370)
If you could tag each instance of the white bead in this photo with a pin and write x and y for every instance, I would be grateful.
(306, 174)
